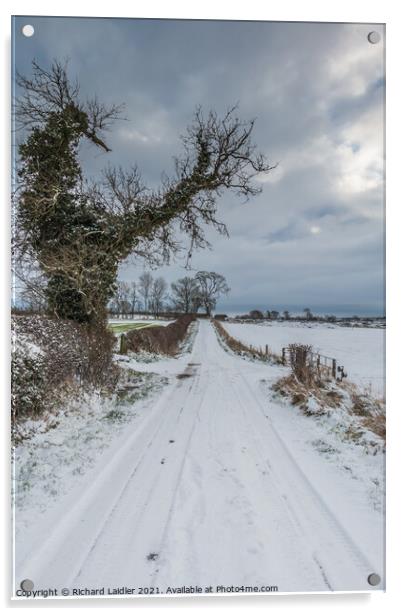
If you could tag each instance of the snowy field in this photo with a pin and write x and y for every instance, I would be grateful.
(140, 321)
(360, 350)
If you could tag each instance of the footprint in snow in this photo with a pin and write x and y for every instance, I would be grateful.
(152, 556)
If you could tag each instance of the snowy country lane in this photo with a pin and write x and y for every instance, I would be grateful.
(205, 492)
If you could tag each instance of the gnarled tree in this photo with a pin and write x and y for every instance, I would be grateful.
(79, 234)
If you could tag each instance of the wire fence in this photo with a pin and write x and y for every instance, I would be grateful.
(321, 365)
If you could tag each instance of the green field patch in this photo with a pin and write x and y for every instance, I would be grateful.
(119, 328)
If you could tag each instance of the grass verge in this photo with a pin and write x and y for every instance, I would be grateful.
(363, 411)
(243, 350)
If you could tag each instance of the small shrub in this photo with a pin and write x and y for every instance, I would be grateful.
(300, 362)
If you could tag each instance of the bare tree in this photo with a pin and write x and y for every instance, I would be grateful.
(144, 288)
(186, 295)
(51, 91)
(133, 297)
(33, 294)
(120, 302)
(158, 295)
(212, 286)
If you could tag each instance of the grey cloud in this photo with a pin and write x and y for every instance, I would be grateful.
(307, 85)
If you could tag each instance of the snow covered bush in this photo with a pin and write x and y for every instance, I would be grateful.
(27, 369)
(53, 356)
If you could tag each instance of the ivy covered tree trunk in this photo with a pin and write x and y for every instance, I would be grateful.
(60, 223)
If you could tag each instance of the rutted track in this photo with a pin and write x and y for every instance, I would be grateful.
(206, 492)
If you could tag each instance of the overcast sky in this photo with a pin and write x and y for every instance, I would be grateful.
(315, 236)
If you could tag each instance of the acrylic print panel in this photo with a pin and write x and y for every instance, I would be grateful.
(198, 307)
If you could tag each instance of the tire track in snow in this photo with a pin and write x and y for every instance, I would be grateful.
(62, 551)
(177, 482)
(339, 538)
(148, 490)
(271, 485)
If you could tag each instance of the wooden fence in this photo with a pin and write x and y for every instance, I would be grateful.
(320, 364)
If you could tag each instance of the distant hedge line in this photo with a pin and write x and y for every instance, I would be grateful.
(159, 339)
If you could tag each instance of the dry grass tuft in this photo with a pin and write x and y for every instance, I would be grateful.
(377, 425)
(318, 398)
(312, 399)
(370, 409)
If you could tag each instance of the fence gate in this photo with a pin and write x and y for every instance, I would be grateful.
(319, 363)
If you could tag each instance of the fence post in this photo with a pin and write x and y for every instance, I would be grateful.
(123, 344)
(284, 355)
(334, 368)
(266, 350)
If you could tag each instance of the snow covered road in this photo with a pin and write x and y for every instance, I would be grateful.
(204, 492)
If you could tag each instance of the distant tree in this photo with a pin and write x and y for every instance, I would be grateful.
(120, 301)
(256, 314)
(286, 315)
(186, 295)
(274, 314)
(268, 314)
(133, 297)
(308, 314)
(331, 318)
(33, 293)
(158, 295)
(144, 288)
(212, 286)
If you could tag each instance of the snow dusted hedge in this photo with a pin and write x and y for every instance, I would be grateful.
(51, 355)
(160, 339)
